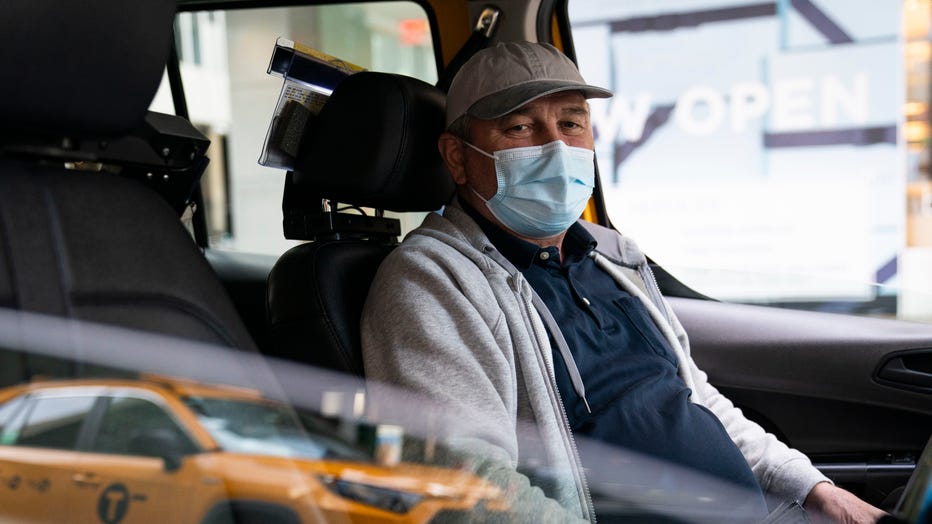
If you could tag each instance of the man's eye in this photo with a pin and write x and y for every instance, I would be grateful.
(518, 128)
(573, 127)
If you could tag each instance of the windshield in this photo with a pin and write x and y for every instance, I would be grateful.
(242, 426)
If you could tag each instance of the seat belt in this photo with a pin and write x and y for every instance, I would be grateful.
(478, 40)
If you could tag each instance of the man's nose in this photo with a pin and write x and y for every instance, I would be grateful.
(551, 133)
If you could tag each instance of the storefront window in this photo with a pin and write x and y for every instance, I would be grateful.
(771, 153)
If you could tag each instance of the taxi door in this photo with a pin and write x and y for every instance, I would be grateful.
(37, 456)
(34, 484)
(129, 489)
(121, 479)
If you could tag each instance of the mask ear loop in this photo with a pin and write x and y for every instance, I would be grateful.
(480, 197)
(477, 149)
(483, 199)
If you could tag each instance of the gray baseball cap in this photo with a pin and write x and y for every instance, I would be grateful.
(499, 79)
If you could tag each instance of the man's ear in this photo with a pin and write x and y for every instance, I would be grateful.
(451, 150)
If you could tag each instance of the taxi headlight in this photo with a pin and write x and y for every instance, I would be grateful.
(388, 499)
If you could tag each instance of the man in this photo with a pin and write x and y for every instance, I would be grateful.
(511, 311)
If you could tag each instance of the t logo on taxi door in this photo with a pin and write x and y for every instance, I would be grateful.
(113, 504)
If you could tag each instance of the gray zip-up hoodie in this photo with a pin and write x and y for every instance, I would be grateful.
(450, 317)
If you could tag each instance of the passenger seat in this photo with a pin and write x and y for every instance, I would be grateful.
(374, 145)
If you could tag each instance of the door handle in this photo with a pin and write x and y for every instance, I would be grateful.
(908, 370)
(85, 480)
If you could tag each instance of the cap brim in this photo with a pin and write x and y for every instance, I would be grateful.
(507, 100)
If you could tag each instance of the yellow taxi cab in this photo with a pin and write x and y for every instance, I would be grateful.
(161, 450)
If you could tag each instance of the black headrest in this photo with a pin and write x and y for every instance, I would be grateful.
(81, 68)
(374, 144)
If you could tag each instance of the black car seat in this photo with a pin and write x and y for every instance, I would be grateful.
(373, 145)
(80, 238)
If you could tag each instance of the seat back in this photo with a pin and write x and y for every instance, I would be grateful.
(373, 145)
(79, 236)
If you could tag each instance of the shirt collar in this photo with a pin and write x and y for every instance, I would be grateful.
(576, 244)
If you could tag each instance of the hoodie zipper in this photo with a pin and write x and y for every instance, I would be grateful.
(653, 291)
(538, 329)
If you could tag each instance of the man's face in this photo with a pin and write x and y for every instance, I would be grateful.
(561, 116)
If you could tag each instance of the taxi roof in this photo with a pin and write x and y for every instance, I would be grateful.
(162, 383)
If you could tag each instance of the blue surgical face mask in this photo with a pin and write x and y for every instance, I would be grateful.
(542, 190)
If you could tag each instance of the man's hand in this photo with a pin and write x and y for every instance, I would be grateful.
(831, 504)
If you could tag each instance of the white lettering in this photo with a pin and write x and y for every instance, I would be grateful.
(628, 116)
(835, 96)
(792, 104)
(749, 100)
(700, 111)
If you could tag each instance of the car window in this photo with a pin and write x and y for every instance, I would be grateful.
(10, 408)
(53, 422)
(127, 418)
(231, 98)
(241, 426)
(9, 413)
(774, 153)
